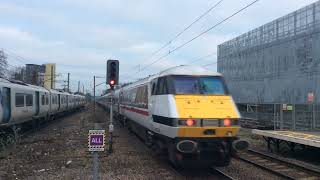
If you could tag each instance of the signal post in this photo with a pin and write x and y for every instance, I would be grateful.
(112, 80)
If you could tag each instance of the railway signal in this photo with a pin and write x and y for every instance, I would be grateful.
(112, 73)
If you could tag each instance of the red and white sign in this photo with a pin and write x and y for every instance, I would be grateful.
(310, 97)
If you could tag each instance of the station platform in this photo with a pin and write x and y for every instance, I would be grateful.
(292, 138)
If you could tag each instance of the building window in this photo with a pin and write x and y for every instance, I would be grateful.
(29, 100)
(19, 100)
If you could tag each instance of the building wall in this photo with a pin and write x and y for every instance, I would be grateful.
(32, 73)
(50, 76)
(276, 63)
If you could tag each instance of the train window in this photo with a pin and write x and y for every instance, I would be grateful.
(198, 85)
(29, 100)
(186, 85)
(141, 99)
(145, 97)
(1, 97)
(153, 90)
(19, 100)
(162, 87)
(42, 100)
(47, 99)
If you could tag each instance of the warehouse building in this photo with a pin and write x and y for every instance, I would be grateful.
(273, 71)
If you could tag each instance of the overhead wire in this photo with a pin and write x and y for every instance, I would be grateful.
(199, 35)
(184, 30)
(17, 57)
(202, 58)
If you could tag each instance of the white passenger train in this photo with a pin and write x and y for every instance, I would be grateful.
(21, 103)
(186, 111)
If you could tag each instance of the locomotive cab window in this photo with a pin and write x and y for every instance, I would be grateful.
(29, 100)
(153, 90)
(19, 100)
(162, 86)
(211, 85)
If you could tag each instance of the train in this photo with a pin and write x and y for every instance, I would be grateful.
(185, 112)
(22, 103)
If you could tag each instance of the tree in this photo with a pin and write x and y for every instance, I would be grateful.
(17, 73)
(3, 64)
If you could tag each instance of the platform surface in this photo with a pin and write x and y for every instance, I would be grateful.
(299, 137)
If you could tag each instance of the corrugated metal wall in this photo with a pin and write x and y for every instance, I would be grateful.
(276, 63)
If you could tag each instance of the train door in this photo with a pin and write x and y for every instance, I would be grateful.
(1, 106)
(37, 103)
(6, 104)
(67, 102)
(152, 105)
(59, 102)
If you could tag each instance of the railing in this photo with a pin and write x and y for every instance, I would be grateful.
(283, 116)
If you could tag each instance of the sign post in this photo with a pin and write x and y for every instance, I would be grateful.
(111, 123)
(96, 143)
(112, 80)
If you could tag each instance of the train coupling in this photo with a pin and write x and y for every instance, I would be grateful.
(240, 145)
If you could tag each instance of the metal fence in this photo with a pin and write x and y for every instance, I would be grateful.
(301, 117)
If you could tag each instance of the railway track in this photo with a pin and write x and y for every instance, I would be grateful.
(212, 173)
(222, 174)
(8, 140)
(279, 167)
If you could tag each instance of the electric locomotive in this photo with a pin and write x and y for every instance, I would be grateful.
(186, 112)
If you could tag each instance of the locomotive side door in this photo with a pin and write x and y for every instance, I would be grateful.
(6, 104)
(153, 105)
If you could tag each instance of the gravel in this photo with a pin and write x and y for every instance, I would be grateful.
(59, 151)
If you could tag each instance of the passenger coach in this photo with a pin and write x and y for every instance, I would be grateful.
(22, 103)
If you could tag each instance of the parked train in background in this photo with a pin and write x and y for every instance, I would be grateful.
(22, 103)
(185, 112)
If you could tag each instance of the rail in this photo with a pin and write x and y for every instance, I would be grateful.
(277, 166)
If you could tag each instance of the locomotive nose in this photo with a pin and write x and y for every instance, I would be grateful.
(187, 146)
(240, 145)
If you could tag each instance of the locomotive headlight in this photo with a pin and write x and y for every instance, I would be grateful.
(188, 122)
(227, 122)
